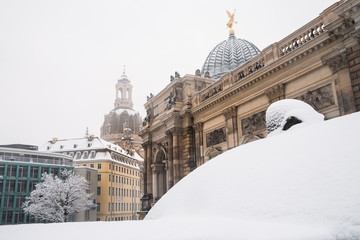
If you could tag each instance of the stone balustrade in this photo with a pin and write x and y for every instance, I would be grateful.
(301, 36)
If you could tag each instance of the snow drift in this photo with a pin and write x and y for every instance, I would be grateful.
(300, 184)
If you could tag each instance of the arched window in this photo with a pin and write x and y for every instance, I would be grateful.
(78, 155)
(92, 154)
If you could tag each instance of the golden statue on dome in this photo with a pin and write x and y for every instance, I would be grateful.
(231, 21)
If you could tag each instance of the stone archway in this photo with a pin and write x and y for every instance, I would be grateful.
(159, 174)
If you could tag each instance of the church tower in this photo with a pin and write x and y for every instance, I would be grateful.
(123, 123)
(123, 92)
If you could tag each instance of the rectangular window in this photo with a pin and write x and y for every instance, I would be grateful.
(110, 166)
(44, 170)
(99, 166)
(109, 191)
(7, 217)
(34, 172)
(98, 190)
(19, 200)
(116, 192)
(23, 171)
(109, 207)
(112, 206)
(109, 177)
(55, 171)
(99, 177)
(113, 177)
(116, 168)
(112, 191)
(19, 217)
(11, 171)
(98, 207)
(88, 175)
(21, 186)
(92, 165)
(10, 186)
(8, 201)
(87, 214)
(116, 178)
(32, 185)
(2, 170)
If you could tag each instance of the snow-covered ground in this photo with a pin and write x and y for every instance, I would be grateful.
(301, 184)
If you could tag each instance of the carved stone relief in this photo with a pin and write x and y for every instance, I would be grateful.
(211, 92)
(253, 123)
(215, 137)
(319, 98)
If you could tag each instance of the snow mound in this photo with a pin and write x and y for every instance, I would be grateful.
(308, 178)
(303, 184)
(285, 114)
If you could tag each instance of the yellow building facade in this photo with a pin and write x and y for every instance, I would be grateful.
(118, 181)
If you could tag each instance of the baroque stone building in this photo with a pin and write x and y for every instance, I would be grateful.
(197, 117)
(122, 124)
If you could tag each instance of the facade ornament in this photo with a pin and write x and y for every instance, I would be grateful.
(337, 62)
(230, 112)
(207, 74)
(255, 122)
(198, 127)
(177, 75)
(172, 78)
(231, 21)
(198, 73)
(275, 93)
(215, 137)
(211, 92)
(176, 131)
(319, 98)
(171, 100)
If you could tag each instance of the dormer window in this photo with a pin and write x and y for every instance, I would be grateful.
(89, 144)
(92, 154)
(78, 155)
(48, 147)
(75, 145)
(61, 146)
(85, 155)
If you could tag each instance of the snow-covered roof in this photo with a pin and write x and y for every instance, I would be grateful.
(87, 144)
(300, 184)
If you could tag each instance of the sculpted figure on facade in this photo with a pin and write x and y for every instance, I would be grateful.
(253, 123)
(319, 98)
(215, 137)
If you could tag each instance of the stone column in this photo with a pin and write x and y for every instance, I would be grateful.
(176, 154)
(148, 164)
(339, 66)
(198, 128)
(231, 126)
(170, 166)
(145, 146)
(155, 183)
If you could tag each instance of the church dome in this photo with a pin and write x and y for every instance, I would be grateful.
(228, 55)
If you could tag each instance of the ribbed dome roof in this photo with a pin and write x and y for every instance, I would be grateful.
(228, 55)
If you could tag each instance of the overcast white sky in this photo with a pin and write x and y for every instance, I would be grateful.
(60, 60)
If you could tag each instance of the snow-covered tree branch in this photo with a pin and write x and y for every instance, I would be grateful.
(55, 199)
